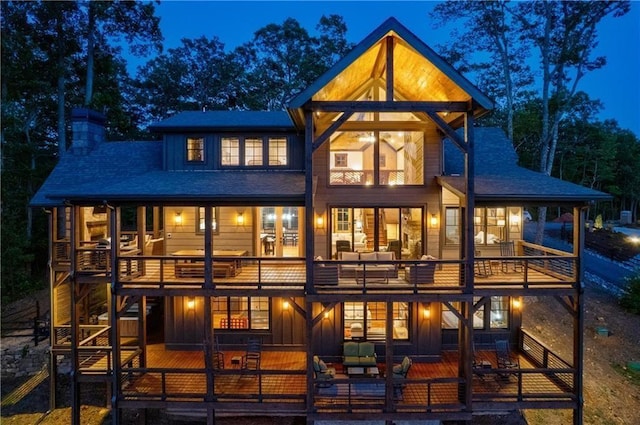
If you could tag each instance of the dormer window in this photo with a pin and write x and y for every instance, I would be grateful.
(195, 149)
(253, 151)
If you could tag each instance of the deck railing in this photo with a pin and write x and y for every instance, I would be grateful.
(538, 267)
(542, 356)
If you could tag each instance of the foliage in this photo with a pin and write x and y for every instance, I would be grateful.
(597, 224)
(630, 300)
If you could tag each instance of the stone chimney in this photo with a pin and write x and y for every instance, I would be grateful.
(87, 130)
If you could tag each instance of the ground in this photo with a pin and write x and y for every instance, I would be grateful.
(611, 390)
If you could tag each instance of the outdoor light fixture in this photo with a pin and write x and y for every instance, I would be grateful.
(516, 303)
(426, 313)
(319, 222)
(177, 218)
(240, 219)
(191, 303)
(434, 220)
(285, 305)
(326, 314)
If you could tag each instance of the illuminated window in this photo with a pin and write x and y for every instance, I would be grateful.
(230, 155)
(253, 152)
(215, 213)
(277, 151)
(372, 324)
(195, 149)
(240, 312)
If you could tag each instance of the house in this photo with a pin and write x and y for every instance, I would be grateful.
(205, 272)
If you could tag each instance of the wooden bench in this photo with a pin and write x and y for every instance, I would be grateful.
(220, 269)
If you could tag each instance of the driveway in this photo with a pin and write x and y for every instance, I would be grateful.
(610, 273)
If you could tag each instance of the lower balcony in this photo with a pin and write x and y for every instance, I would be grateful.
(178, 379)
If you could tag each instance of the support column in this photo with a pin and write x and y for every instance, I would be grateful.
(114, 310)
(579, 215)
(75, 338)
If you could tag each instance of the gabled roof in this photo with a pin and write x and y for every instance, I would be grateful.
(132, 171)
(498, 176)
(194, 121)
(416, 64)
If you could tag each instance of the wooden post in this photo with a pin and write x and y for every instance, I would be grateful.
(579, 214)
(75, 338)
(114, 220)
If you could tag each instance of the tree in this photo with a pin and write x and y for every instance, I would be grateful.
(565, 34)
(490, 34)
(135, 22)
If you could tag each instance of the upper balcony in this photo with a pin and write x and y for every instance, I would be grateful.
(230, 271)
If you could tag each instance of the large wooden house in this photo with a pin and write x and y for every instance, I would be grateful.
(358, 254)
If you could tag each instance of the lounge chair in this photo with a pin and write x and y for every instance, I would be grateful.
(323, 374)
(504, 358)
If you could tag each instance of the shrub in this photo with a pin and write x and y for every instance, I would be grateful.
(598, 222)
(630, 300)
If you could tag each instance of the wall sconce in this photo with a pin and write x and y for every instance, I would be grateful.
(240, 219)
(516, 303)
(426, 312)
(320, 222)
(326, 315)
(177, 218)
(191, 303)
(434, 220)
(285, 305)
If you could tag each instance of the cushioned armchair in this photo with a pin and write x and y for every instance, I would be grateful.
(323, 374)
(400, 371)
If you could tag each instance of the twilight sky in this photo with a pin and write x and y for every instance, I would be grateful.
(617, 85)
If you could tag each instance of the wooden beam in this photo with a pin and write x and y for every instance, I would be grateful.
(329, 131)
(388, 106)
(448, 131)
(390, 69)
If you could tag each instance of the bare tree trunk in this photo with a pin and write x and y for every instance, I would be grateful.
(88, 94)
(62, 133)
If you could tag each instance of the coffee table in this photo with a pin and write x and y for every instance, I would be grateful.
(363, 372)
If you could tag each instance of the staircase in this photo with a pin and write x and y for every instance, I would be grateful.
(369, 229)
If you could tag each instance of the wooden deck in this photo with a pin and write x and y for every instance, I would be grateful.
(290, 275)
(180, 376)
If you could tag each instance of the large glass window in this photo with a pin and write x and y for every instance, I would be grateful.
(240, 312)
(195, 149)
(367, 320)
(498, 307)
(491, 225)
(379, 229)
(385, 158)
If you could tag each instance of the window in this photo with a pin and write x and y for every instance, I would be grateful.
(499, 314)
(253, 152)
(278, 151)
(240, 312)
(340, 159)
(230, 155)
(195, 149)
(384, 158)
(452, 225)
(372, 325)
(491, 225)
(342, 220)
(214, 220)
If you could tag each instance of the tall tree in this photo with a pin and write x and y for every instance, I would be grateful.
(565, 34)
(488, 34)
(132, 22)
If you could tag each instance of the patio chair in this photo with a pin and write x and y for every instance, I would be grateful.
(504, 358)
(479, 366)
(251, 359)
(324, 375)
(214, 354)
(400, 371)
(507, 249)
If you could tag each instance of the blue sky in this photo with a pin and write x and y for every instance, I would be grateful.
(617, 85)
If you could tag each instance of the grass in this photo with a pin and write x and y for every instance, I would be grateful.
(631, 375)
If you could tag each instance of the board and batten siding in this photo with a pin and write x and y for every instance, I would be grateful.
(230, 236)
